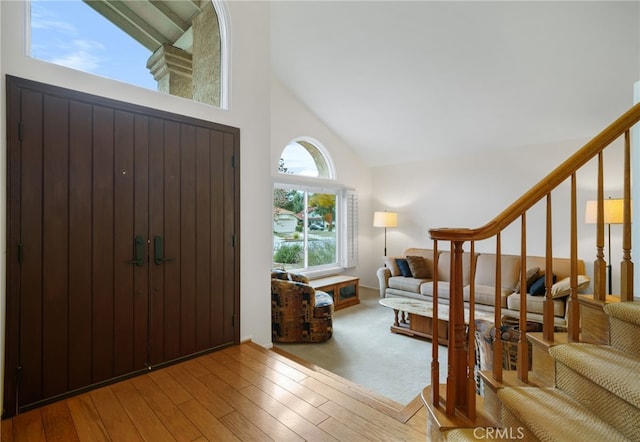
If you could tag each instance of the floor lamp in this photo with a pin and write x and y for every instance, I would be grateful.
(613, 213)
(385, 219)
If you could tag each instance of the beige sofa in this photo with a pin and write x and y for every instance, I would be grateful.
(394, 284)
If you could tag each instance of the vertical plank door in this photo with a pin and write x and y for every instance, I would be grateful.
(122, 230)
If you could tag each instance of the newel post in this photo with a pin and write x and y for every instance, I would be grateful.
(457, 374)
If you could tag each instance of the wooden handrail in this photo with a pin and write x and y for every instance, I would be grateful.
(540, 190)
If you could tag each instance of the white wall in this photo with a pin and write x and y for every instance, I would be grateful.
(249, 110)
(290, 119)
(470, 191)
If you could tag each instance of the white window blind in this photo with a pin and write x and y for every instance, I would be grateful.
(350, 229)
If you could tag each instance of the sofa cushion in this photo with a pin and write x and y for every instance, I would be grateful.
(390, 263)
(418, 267)
(486, 295)
(561, 267)
(444, 267)
(563, 287)
(407, 284)
(443, 289)
(403, 265)
(486, 270)
(535, 304)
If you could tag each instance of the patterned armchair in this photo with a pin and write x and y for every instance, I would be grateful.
(299, 313)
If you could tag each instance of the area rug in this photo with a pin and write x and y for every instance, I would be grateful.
(363, 350)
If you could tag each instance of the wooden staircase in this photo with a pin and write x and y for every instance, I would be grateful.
(581, 381)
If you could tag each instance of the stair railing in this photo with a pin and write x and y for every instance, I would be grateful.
(460, 393)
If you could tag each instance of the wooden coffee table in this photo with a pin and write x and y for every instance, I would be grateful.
(420, 318)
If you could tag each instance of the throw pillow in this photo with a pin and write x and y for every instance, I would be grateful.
(563, 287)
(538, 288)
(298, 277)
(390, 263)
(403, 265)
(418, 267)
(279, 274)
(531, 276)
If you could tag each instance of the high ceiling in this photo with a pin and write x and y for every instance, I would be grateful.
(407, 81)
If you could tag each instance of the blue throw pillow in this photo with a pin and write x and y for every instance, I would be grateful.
(538, 288)
(403, 265)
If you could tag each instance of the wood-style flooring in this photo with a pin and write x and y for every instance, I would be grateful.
(240, 393)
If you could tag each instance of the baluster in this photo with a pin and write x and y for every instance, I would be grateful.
(456, 379)
(471, 335)
(626, 266)
(572, 303)
(599, 265)
(435, 364)
(497, 344)
(523, 349)
(548, 321)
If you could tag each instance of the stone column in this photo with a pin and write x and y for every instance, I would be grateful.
(172, 69)
(206, 56)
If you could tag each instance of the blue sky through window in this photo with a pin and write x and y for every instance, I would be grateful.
(70, 33)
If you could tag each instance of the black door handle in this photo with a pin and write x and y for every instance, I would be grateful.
(138, 251)
(158, 251)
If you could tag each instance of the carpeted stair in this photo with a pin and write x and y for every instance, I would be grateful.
(597, 393)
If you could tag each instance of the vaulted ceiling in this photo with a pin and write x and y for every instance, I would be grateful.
(407, 81)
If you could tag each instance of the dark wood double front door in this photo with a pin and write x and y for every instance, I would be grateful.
(122, 239)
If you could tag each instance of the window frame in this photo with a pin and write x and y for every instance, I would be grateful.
(345, 210)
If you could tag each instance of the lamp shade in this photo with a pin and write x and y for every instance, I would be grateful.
(385, 219)
(613, 211)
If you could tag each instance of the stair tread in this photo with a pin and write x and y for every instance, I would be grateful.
(625, 311)
(606, 366)
(551, 414)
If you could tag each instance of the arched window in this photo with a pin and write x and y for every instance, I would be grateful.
(178, 47)
(306, 157)
(314, 220)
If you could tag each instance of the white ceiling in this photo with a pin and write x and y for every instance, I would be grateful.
(407, 81)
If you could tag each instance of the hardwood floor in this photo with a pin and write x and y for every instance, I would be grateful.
(243, 392)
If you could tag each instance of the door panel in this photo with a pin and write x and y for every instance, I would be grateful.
(187, 231)
(230, 242)
(55, 238)
(87, 176)
(202, 229)
(31, 239)
(80, 252)
(140, 227)
(102, 244)
(124, 312)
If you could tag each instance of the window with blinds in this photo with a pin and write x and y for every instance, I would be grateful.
(315, 220)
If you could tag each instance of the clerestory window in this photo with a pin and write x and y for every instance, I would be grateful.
(314, 218)
(177, 47)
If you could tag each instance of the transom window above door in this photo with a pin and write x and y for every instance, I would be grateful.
(178, 47)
